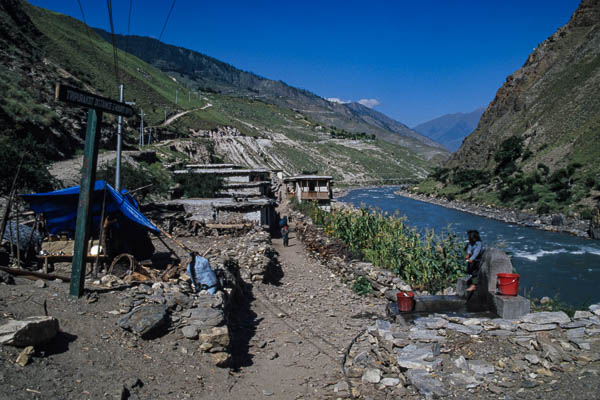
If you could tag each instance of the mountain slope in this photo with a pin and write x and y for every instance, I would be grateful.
(42, 48)
(537, 144)
(552, 102)
(450, 129)
(206, 73)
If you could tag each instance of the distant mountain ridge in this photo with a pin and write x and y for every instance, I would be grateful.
(206, 73)
(451, 129)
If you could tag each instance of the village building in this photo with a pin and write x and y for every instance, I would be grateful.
(246, 196)
(228, 211)
(311, 188)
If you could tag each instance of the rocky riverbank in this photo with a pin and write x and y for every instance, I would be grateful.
(553, 222)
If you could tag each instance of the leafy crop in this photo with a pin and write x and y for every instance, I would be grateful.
(425, 260)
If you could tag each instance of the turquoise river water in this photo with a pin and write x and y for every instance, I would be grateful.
(550, 264)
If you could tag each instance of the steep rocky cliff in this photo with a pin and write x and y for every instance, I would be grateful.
(552, 103)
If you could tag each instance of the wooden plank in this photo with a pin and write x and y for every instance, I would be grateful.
(26, 274)
(102, 104)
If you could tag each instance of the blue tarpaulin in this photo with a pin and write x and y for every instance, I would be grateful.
(60, 208)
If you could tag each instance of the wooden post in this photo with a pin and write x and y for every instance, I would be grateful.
(96, 105)
(88, 178)
(18, 235)
(100, 235)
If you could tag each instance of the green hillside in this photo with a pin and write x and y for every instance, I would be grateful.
(43, 48)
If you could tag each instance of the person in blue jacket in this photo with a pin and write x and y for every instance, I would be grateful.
(474, 251)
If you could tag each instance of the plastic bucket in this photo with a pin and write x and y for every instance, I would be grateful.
(406, 301)
(508, 284)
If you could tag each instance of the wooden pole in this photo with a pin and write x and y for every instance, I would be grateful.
(26, 274)
(88, 178)
(33, 228)
(10, 199)
(18, 236)
(100, 235)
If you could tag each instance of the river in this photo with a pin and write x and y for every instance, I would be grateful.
(564, 267)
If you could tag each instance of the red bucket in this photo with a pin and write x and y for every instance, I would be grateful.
(406, 301)
(508, 284)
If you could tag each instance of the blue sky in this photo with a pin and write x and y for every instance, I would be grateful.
(415, 60)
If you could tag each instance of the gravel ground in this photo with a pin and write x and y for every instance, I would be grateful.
(289, 336)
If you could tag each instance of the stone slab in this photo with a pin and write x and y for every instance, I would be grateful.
(28, 332)
(547, 317)
(509, 307)
(432, 304)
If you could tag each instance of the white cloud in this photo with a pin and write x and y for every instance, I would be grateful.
(336, 100)
(369, 102)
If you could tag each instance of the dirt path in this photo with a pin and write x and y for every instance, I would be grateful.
(172, 119)
(288, 338)
(303, 323)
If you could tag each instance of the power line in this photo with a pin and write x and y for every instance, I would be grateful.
(87, 31)
(112, 32)
(167, 20)
(128, 26)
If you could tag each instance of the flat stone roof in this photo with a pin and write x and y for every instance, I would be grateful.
(308, 178)
(230, 172)
(214, 166)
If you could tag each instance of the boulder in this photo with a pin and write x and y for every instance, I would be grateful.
(426, 383)
(205, 317)
(217, 338)
(28, 332)
(547, 317)
(7, 278)
(371, 375)
(144, 321)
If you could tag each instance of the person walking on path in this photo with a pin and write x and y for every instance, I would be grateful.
(474, 251)
(283, 224)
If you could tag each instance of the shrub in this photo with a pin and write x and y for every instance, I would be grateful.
(34, 175)
(543, 169)
(509, 152)
(544, 208)
(134, 177)
(586, 213)
(470, 178)
(440, 174)
(362, 286)
(198, 185)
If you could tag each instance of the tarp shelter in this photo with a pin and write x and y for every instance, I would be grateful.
(60, 212)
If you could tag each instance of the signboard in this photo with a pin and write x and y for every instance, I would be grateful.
(76, 96)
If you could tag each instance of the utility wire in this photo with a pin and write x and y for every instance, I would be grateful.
(128, 26)
(112, 32)
(87, 31)
(167, 20)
